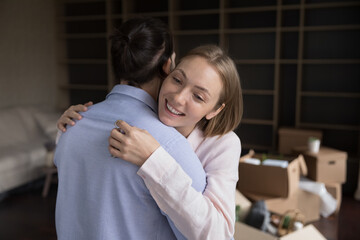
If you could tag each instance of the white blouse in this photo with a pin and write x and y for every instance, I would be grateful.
(207, 215)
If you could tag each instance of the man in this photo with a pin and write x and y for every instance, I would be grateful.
(101, 197)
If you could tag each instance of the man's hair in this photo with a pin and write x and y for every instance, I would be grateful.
(139, 49)
(231, 95)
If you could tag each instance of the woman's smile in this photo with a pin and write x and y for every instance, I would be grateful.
(172, 109)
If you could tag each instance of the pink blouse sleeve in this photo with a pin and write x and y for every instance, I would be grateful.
(210, 215)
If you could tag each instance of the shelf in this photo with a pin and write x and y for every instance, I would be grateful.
(144, 14)
(331, 94)
(291, 29)
(81, 1)
(82, 18)
(85, 61)
(331, 5)
(265, 61)
(196, 12)
(296, 61)
(250, 9)
(330, 126)
(257, 121)
(288, 61)
(249, 30)
(229, 10)
(331, 27)
(330, 61)
(254, 61)
(195, 32)
(291, 7)
(257, 92)
(84, 35)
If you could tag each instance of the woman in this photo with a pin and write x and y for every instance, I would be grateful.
(202, 99)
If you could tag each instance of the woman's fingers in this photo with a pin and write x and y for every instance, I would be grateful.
(123, 126)
(72, 113)
(131, 143)
(117, 134)
(61, 126)
(116, 147)
(115, 142)
(90, 103)
(114, 152)
(63, 121)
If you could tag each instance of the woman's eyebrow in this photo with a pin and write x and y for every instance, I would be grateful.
(198, 87)
(182, 73)
(203, 89)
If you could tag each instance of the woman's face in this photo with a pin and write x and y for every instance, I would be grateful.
(188, 94)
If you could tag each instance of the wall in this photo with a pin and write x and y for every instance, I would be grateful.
(27, 52)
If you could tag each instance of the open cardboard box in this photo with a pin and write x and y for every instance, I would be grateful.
(294, 137)
(308, 204)
(245, 232)
(327, 166)
(270, 181)
(335, 190)
(244, 204)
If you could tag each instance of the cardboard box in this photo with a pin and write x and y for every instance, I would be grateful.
(293, 137)
(327, 166)
(244, 203)
(270, 180)
(335, 190)
(245, 232)
(308, 204)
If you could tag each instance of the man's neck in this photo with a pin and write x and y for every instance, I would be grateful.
(152, 87)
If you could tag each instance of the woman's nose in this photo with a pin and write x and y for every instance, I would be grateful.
(180, 97)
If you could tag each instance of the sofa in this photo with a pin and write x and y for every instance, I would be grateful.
(26, 132)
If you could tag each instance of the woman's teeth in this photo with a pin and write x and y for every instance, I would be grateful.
(172, 110)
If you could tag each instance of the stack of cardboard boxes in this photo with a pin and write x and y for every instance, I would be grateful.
(327, 166)
(279, 186)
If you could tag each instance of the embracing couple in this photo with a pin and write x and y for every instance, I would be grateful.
(168, 168)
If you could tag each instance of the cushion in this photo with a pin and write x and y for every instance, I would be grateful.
(47, 122)
(12, 129)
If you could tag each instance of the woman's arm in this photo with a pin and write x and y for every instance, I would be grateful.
(210, 215)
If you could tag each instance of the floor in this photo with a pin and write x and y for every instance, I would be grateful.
(25, 215)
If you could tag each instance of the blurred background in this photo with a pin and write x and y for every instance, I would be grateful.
(298, 60)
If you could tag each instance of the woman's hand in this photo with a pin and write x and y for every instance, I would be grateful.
(72, 113)
(131, 143)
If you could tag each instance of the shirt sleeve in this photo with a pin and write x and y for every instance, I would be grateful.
(207, 215)
(58, 135)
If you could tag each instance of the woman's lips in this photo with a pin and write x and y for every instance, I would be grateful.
(172, 110)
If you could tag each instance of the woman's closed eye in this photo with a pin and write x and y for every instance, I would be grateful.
(177, 80)
(198, 98)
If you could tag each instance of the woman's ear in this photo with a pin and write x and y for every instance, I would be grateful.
(214, 113)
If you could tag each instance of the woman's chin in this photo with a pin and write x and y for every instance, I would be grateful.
(166, 121)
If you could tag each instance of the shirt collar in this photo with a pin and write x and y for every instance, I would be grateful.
(136, 93)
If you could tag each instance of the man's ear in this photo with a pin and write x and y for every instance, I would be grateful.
(214, 113)
(167, 66)
(170, 64)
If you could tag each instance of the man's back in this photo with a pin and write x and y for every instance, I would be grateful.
(100, 197)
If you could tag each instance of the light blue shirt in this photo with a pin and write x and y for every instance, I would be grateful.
(101, 197)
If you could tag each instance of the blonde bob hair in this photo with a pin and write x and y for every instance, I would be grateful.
(231, 95)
